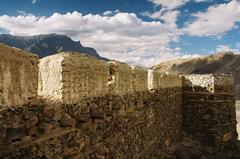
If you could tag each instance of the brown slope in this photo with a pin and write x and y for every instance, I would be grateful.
(224, 62)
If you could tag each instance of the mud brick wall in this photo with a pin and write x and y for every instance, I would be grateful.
(209, 109)
(18, 76)
(135, 125)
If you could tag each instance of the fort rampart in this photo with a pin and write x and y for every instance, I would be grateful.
(71, 105)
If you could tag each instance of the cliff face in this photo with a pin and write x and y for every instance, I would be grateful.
(224, 62)
(44, 45)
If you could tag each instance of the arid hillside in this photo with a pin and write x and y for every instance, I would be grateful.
(223, 62)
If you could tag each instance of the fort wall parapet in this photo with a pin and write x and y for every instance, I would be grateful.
(87, 108)
(18, 76)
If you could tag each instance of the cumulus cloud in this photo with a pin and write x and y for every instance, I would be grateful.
(217, 19)
(168, 12)
(122, 36)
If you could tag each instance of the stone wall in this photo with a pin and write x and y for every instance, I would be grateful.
(69, 77)
(209, 109)
(95, 109)
(18, 76)
(134, 125)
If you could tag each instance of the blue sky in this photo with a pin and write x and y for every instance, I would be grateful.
(139, 32)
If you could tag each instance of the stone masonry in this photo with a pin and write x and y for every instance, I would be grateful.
(88, 108)
(209, 109)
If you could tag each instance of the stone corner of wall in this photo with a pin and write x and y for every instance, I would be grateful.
(209, 82)
(18, 76)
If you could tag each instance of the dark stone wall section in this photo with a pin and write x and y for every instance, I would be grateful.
(111, 126)
(209, 112)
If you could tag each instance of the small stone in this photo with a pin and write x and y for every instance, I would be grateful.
(227, 137)
(32, 130)
(52, 113)
(46, 127)
(33, 120)
(167, 142)
(48, 111)
(14, 133)
(57, 116)
(26, 138)
(206, 116)
(82, 145)
(67, 120)
(98, 115)
(84, 117)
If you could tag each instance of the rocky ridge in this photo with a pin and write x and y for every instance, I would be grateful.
(47, 44)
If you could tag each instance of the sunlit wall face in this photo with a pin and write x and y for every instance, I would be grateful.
(238, 118)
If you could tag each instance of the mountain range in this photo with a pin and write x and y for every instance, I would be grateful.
(223, 62)
(47, 44)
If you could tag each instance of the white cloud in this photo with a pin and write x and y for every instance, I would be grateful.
(122, 36)
(168, 16)
(203, 1)
(174, 4)
(217, 19)
(169, 4)
(34, 1)
(190, 56)
(224, 48)
(108, 12)
(21, 12)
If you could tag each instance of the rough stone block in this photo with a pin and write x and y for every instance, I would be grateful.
(210, 82)
(70, 76)
(18, 76)
(157, 80)
(50, 82)
(121, 78)
(140, 76)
